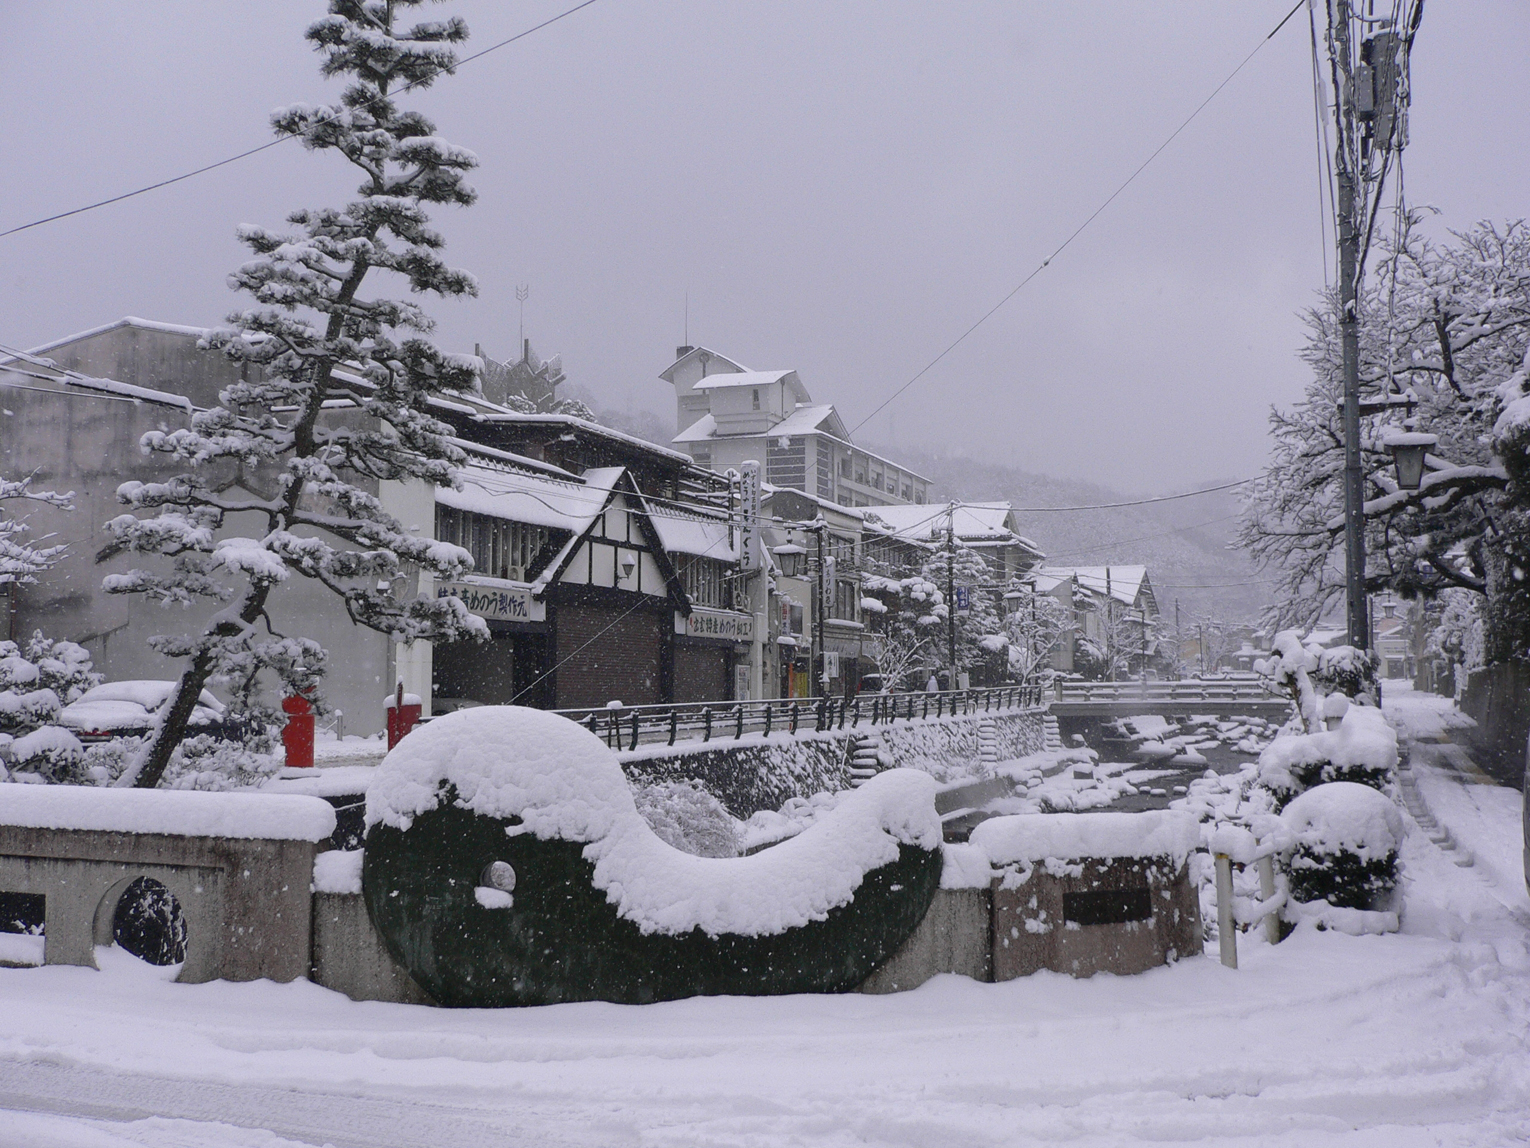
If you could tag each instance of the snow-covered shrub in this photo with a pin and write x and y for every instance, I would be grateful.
(1363, 750)
(36, 681)
(1348, 671)
(1345, 846)
(1290, 667)
(210, 763)
(685, 815)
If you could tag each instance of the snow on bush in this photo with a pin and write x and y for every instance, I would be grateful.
(36, 681)
(1363, 749)
(1346, 838)
(554, 779)
(685, 815)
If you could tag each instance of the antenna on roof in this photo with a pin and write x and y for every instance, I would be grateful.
(522, 291)
(687, 339)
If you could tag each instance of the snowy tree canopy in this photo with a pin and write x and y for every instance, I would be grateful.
(336, 400)
(1453, 330)
(21, 558)
(1035, 624)
(980, 633)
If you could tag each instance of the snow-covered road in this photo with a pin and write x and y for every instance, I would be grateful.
(1417, 1038)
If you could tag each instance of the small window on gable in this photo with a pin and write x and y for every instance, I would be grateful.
(756, 395)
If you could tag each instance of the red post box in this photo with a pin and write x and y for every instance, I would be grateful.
(297, 734)
(403, 714)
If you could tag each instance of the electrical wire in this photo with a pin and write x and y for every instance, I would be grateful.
(1042, 266)
(1320, 134)
(1133, 502)
(283, 139)
(1142, 538)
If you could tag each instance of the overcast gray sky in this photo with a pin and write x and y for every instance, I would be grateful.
(842, 188)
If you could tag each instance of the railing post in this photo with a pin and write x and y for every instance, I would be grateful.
(924, 710)
(940, 703)
(674, 723)
(818, 722)
(594, 723)
(857, 719)
(635, 718)
(1227, 931)
(769, 709)
(738, 731)
(794, 713)
(706, 717)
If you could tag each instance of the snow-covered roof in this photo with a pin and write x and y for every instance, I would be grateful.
(704, 537)
(1125, 582)
(741, 379)
(126, 321)
(537, 500)
(667, 374)
(806, 418)
(975, 523)
(699, 431)
(504, 416)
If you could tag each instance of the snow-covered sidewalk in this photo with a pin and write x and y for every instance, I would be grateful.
(1421, 1037)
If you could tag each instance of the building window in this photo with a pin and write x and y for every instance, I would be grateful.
(755, 397)
(500, 548)
(705, 581)
(845, 595)
(703, 458)
(786, 463)
(860, 476)
(844, 468)
(825, 477)
(908, 492)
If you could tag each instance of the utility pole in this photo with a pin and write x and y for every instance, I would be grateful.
(1110, 628)
(1346, 163)
(754, 571)
(820, 685)
(1179, 640)
(951, 593)
(1371, 95)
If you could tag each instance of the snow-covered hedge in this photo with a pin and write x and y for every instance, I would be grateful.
(506, 863)
(1363, 749)
(1345, 838)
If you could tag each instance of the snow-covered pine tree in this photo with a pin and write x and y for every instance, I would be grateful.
(906, 621)
(21, 558)
(314, 338)
(980, 638)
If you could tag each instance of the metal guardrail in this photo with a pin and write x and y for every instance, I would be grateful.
(1186, 690)
(628, 727)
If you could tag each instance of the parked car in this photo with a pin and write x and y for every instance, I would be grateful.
(127, 709)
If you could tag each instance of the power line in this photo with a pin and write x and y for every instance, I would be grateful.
(1133, 502)
(283, 139)
(1080, 228)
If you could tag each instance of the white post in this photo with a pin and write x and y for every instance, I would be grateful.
(1227, 935)
(1266, 891)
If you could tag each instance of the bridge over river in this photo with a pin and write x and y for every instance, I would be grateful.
(1236, 697)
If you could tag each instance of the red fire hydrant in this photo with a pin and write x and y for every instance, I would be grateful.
(403, 715)
(297, 734)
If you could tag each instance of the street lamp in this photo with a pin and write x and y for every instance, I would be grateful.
(1408, 449)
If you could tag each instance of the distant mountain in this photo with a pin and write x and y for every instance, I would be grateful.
(1185, 544)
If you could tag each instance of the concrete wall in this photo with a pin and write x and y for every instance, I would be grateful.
(349, 956)
(1033, 929)
(246, 903)
(1498, 698)
(956, 936)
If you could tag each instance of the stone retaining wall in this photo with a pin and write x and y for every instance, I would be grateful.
(753, 772)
